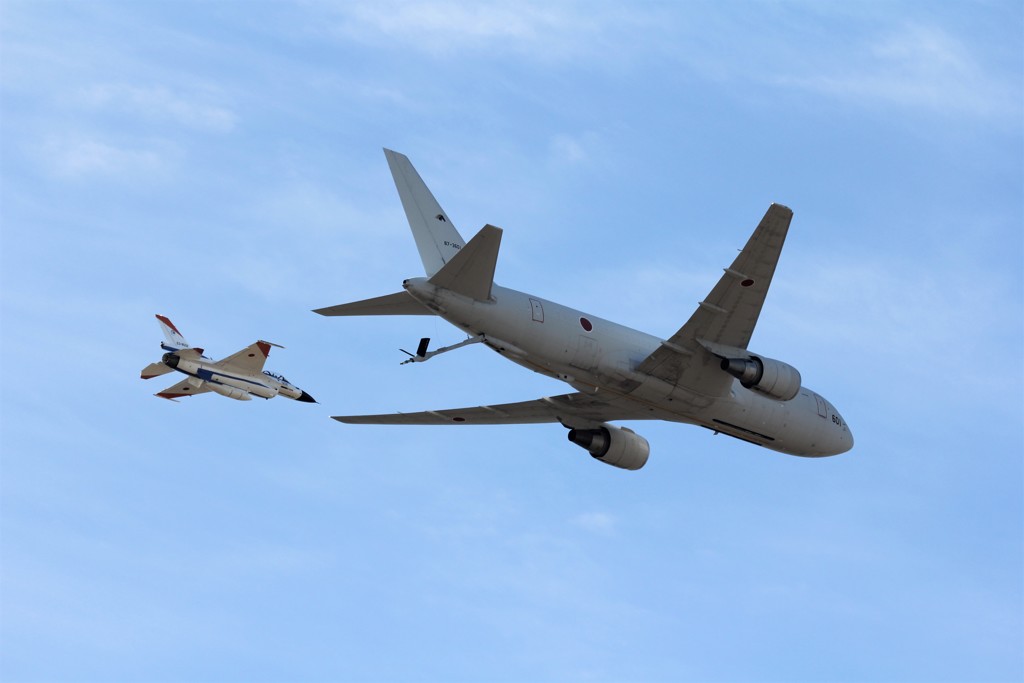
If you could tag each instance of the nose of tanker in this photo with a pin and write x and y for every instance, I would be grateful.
(840, 439)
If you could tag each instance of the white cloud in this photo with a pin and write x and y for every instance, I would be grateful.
(595, 522)
(917, 66)
(158, 102)
(893, 307)
(537, 30)
(568, 150)
(73, 157)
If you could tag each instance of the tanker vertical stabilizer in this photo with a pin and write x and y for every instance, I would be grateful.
(436, 238)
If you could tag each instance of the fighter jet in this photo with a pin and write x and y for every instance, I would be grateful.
(239, 376)
(703, 374)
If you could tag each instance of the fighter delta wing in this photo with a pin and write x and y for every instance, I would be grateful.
(189, 386)
(251, 359)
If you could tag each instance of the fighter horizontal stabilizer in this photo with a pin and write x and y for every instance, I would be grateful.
(155, 370)
(471, 271)
(399, 303)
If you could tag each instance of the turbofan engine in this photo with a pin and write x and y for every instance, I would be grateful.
(616, 446)
(773, 377)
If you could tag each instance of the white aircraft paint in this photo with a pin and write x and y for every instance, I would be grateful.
(239, 376)
(703, 374)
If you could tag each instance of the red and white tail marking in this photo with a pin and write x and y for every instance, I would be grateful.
(174, 338)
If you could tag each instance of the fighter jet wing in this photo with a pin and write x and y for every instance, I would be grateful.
(573, 410)
(186, 387)
(249, 360)
(727, 315)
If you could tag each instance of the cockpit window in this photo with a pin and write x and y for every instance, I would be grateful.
(279, 378)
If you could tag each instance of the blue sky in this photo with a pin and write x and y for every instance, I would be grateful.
(221, 163)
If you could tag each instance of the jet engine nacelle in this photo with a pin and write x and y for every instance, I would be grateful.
(230, 392)
(773, 377)
(616, 446)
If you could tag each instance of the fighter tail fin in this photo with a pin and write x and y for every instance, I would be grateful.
(175, 341)
(471, 271)
(436, 238)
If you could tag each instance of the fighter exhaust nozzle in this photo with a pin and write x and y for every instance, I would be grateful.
(170, 360)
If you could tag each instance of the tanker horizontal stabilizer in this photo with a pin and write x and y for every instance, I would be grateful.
(471, 271)
(399, 303)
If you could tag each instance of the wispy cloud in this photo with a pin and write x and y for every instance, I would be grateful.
(567, 149)
(541, 31)
(909, 64)
(158, 102)
(76, 156)
(595, 522)
(916, 66)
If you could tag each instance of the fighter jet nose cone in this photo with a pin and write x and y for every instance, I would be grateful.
(306, 398)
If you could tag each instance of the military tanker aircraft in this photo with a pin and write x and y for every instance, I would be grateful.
(703, 374)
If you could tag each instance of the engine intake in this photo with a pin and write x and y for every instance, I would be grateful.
(616, 446)
(772, 377)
